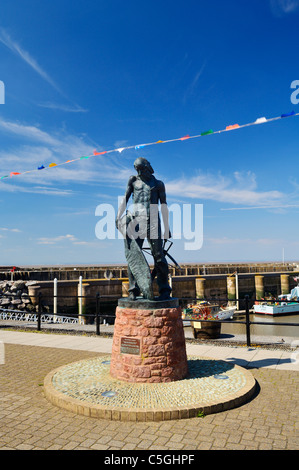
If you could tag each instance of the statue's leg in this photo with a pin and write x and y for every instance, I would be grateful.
(161, 267)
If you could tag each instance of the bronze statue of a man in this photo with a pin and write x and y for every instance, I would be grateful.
(144, 222)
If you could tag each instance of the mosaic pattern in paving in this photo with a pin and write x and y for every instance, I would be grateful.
(209, 386)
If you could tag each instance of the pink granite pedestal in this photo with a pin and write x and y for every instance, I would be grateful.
(148, 345)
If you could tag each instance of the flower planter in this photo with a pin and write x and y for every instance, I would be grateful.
(206, 330)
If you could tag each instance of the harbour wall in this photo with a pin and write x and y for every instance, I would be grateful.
(69, 273)
(218, 287)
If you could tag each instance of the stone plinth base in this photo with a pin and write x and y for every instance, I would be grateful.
(148, 345)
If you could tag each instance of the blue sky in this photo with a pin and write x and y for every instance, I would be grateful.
(85, 75)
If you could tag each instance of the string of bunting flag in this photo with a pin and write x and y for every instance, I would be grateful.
(231, 127)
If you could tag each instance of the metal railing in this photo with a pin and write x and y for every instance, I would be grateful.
(39, 317)
(18, 315)
(42, 317)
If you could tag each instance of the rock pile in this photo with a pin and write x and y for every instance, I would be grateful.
(14, 295)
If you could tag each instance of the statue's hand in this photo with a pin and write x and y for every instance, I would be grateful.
(116, 222)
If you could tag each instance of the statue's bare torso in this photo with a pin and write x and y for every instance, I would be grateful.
(147, 192)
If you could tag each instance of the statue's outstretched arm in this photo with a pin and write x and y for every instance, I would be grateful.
(124, 202)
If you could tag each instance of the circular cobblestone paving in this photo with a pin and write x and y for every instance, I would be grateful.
(86, 387)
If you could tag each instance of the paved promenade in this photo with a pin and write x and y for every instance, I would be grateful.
(28, 421)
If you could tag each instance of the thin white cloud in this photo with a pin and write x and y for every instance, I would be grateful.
(20, 52)
(32, 133)
(54, 240)
(41, 148)
(272, 207)
(62, 238)
(13, 188)
(26, 57)
(241, 189)
(62, 107)
(247, 179)
(193, 85)
(5, 229)
(283, 7)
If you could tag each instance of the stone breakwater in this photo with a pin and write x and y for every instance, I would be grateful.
(14, 296)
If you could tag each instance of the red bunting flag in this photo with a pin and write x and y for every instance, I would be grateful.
(99, 153)
(185, 137)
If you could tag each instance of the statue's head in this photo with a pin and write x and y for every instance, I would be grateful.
(143, 167)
